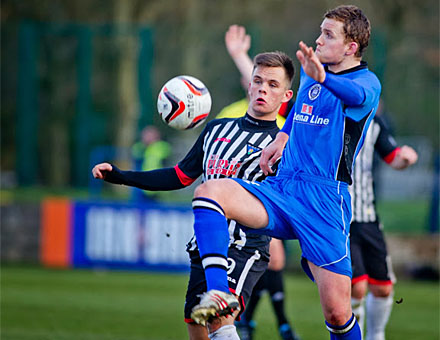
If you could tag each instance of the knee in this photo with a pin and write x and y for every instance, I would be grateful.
(215, 189)
(338, 311)
(381, 290)
(337, 316)
(200, 191)
(207, 189)
(359, 289)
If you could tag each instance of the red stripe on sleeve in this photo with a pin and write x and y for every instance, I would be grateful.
(184, 179)
(390, 157)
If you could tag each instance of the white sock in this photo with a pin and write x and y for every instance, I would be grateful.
(358, 308)
(378, 313)
(228, 332)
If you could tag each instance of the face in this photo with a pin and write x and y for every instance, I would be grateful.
(267, 90)
(331, 47)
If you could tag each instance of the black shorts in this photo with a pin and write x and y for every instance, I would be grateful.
(369, 256)
(244, 270)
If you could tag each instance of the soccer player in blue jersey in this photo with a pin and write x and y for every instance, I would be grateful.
(336, 100)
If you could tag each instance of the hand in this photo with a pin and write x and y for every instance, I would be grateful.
(272, 153)
(310, 62)
(99, 171)
(238, 44)
(237, 41)
(407, 156)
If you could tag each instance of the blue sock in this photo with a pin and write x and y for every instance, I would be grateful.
(349, 331)
(211, 229)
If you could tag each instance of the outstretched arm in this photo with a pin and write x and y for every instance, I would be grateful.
(238, 44)
(164, 179)
(350, 92)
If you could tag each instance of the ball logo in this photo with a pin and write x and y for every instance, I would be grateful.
(314, 91)
(184, 102)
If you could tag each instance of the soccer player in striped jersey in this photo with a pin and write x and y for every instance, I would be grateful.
(238, 44)
(371, 264)
(226, 148)
(308, 199)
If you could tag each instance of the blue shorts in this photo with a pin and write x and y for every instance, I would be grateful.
(314, 210)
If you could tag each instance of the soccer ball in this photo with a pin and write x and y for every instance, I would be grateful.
(184, 102)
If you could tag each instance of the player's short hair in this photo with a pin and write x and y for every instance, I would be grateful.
(276, 59)
(356, 25)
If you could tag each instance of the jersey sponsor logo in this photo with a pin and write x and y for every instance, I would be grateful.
(218, 166)
(307, 109)
(251, 149)
(226, 140)
(306, 117)
(314, 91)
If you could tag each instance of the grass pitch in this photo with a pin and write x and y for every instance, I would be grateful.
(47, 304)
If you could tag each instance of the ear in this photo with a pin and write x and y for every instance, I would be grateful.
(352, 48)
(287, 96)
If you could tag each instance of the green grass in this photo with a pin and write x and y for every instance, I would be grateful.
(404, 216)
(47, 304)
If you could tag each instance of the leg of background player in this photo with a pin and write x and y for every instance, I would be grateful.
(358, 292)
(379, 304)
(276, 291)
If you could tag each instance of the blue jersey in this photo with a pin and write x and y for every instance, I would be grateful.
(329, 122)
(327, 128)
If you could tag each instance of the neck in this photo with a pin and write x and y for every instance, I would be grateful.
(345, 64)
(263, 116)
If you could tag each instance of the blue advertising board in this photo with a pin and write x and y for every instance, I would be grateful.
(131, 236)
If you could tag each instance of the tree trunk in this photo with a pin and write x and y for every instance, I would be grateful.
(128, 111)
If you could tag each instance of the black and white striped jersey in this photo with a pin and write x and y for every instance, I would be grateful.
(230, 148)
(363, 202)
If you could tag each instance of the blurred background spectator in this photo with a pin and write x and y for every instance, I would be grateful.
(149, 154)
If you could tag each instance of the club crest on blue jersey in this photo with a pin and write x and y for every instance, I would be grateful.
(251, 149)
(314, 91)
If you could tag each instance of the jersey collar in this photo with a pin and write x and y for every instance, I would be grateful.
(362, 66)
(251, 122)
